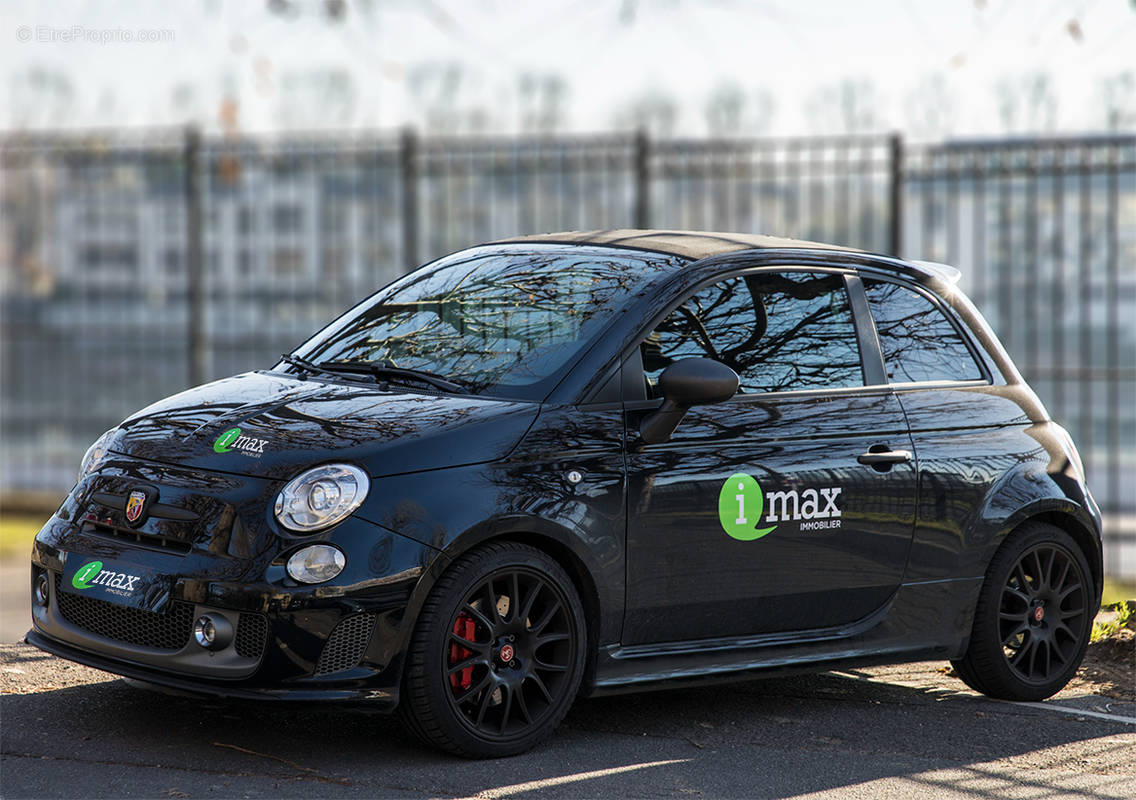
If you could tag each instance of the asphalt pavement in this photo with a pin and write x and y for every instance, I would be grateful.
(906, 731)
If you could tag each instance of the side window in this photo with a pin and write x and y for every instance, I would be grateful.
(780, 331)
(919, 343)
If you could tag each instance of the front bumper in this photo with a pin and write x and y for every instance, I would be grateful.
(341, 648)
(342, 640)
(377, 698)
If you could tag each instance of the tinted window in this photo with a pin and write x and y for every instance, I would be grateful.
(498, 320)
(919, 343)
(780, 331)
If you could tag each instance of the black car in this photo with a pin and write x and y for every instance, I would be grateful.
(587, 463)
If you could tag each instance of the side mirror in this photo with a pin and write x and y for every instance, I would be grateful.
(686, 383)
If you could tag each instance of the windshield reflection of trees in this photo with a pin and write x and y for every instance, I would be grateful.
(509, 320)
(778, 331)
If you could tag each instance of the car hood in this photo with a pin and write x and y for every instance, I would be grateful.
(272, 425)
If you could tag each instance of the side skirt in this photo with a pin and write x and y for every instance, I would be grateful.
(925, 620)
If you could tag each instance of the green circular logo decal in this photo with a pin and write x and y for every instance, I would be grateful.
(225, 441)
(85, 573)
(740, 505)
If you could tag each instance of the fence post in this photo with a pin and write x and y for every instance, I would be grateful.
(642, 180)
(194, 273)
(895, 195)
(408, 165)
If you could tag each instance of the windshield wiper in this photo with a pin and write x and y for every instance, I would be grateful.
(380, 371)
(305, 366)
(376, 371)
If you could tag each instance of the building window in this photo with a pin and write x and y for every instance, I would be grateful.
(333, 264)
(246, 220)
(286, 262)
(110, 216)
(173, 216)
(110, 257)
(333, 219)
(286, 219)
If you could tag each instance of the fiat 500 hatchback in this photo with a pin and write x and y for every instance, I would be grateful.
(586, 463)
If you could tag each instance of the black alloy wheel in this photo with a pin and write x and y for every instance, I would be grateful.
(1033, 618)
(497, 655)
(1042, 613)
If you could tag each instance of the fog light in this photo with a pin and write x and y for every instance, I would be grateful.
(316, 563)
(212, 631)
(39, 590)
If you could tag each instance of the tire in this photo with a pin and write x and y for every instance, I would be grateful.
(497, 653)
(1033, 618)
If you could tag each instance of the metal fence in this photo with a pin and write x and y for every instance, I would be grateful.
(133, 265)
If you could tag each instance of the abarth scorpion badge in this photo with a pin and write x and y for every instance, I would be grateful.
(135, 505)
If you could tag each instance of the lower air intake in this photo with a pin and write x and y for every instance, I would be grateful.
(345, 647)
(168, 631)
(251, 630)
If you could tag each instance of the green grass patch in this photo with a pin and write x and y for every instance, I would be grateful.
(1114, 618)
(16, 534)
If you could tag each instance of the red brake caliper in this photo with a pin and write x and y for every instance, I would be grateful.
(465, 627)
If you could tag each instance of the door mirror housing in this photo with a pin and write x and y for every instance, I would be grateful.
(697, 381)
(686, 383)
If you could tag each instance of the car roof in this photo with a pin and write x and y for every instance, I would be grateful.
(688, 244)
(698, 245)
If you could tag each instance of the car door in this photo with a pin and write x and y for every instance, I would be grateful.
(760, 514)
(966, 436)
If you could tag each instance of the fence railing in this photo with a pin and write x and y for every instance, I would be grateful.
(134, 264)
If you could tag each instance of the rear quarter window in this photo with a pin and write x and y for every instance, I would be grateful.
(918, 342)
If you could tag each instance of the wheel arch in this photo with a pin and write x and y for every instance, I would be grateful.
(1026, 494)
(1085, 539)
(602, 610)
(583, 580)
(1064, 515)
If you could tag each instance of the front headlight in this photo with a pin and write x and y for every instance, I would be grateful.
(94, 455)
(321, 497)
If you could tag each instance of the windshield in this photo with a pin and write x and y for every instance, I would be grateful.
(504, 321)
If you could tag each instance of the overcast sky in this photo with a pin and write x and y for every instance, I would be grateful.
(929, 67)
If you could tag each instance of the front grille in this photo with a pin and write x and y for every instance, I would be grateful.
(346, 645)
(168, 631)
(162, 543)
(251, 631)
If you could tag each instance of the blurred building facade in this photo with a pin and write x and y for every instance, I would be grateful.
(114, 247)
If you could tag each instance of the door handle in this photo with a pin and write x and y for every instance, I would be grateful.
(885, 457)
